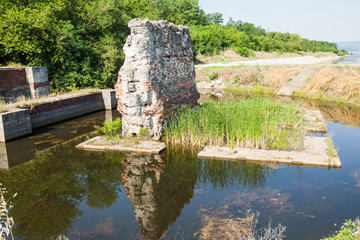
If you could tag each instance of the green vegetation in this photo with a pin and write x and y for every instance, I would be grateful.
(81, 41)
(213, 75)
(255, 122)
(245, 38)
(111, 130)
(6, 222)
(249, 90)
(327, 99)
(348, 231)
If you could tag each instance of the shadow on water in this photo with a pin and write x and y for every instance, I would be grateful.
(22, 150)
(52, 187)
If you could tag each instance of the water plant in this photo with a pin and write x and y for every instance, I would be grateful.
(255, 122)
(350, 230)
(111, 130)
(5, 220)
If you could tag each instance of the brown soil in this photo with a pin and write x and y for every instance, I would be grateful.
(272, 77)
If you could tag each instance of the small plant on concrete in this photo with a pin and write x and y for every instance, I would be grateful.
(143, 133)
(213, 75)
(111, 130)
(331, 149)
(6, 221)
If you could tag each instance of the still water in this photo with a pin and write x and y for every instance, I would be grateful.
(353, 58)
(109, 195)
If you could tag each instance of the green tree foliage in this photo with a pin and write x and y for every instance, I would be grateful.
(245, 38)
(80, 41)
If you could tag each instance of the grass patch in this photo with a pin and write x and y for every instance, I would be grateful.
(327, 99)
(111, 130)
(256, 122)
(213, 75)
(250, 90)
(331, 152)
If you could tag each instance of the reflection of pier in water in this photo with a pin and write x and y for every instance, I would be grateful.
(24, 149)
(157, 192)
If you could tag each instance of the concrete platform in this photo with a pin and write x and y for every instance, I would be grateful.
(314, 122)
(318, 151)
(100, 143)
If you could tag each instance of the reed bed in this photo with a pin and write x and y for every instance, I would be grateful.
(337, 81)
(256, 122)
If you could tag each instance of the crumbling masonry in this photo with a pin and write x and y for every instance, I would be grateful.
(157, 77)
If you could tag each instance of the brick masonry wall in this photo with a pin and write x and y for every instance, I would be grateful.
(13, 83)
(157, 77)
(12, 77)
(28, 82)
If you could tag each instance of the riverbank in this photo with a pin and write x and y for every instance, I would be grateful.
(325, 82)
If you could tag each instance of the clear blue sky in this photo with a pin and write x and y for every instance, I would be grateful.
(325, 20)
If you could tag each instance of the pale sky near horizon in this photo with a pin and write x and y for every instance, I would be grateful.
(323, 20)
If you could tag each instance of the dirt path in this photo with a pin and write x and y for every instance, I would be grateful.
(307, 60)
(297, 83)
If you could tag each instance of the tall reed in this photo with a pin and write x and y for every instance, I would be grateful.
(255, 122)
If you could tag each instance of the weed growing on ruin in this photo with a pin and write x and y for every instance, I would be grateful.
(256, 122)
(143, 133)
(111, 130)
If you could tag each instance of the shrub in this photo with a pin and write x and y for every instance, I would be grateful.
(111, 130)
(348, 231)
(213, 75)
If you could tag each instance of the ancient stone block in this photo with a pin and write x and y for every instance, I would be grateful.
(157, 77)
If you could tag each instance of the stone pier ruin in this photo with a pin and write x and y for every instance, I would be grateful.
(157, 77)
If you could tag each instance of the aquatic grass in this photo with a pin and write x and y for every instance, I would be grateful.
(249, 90)
(6, 222)
(255, 122)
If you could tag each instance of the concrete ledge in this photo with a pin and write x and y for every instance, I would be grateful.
(19, 122)
(14, 123)
(314, 122)
(316, 153)
(109, 99)
(60, 110)
(100, 143)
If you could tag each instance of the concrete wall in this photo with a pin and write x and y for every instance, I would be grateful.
(157, 77)
(20, 122)
(37, 79)
(14, 123)
(57, 111)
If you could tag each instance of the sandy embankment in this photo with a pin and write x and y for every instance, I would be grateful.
(306, 60)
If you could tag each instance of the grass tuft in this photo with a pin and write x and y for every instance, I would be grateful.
(255, 122)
